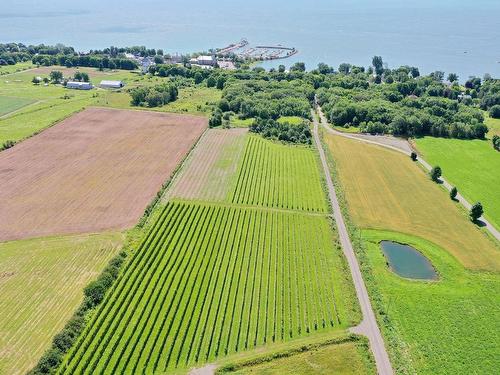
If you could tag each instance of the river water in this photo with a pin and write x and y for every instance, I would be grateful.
(450, 35)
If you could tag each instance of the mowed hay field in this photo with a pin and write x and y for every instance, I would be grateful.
(211, 280)
(10, 104)
(95, 171)
(471, 165)
(41, 283)
(208, 172)
(386, 190)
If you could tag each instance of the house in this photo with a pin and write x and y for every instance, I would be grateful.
(204, 60)
(79, 85)
(145, 63)
(111, 84)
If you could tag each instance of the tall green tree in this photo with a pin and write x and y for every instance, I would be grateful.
(378, 64)
(476, 211)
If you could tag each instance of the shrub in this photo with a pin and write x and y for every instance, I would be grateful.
(496, 142)
(453, 193)
(435, 173)
(495, 111)
(7, 144)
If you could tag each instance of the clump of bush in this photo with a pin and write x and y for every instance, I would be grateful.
(154, 96)
(495, 111)
(282, 131)
(7, 144)
(496, 142)
(93, 295)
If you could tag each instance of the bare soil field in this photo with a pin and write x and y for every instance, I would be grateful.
(95, 171)
(209, 171)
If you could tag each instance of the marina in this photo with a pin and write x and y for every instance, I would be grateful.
(244, 50)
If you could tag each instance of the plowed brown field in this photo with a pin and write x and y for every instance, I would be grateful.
(95, 171)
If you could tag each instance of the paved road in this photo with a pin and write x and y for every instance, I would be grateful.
(402, 145)
(368, 326)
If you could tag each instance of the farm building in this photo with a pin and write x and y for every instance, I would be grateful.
(79, 85)
(111, 84)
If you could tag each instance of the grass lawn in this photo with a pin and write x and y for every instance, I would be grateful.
(10, 104)
(493, 124)
(471, 165)
(386, 190)
(42, 282)
(449, 326)
(350, 129)
(197, 100)
(294, 120)
(9, 69)
(239, 123)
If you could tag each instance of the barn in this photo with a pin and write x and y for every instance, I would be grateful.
(111, 84)
(79, 85)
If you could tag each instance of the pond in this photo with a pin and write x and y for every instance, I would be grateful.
(408, 262)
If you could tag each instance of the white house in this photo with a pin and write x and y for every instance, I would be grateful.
(204, 60)
(79, 85)
(111, 84)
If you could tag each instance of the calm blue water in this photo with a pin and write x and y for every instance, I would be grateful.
(407, 261)
(450, 35)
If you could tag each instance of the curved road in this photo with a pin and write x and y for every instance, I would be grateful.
(368, 326)
(401, 145)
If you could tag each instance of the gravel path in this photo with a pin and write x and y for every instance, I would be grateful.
(368, 326)
(403, 146)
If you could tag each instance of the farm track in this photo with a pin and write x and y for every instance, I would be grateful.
(368, 326)
(213, 289)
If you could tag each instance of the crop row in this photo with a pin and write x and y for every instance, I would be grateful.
(230, 280)
(275, 175)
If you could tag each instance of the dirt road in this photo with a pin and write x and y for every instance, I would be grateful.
(401, 145)
(368, 326)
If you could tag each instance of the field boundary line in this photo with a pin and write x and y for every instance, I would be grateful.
(490, 227)
(368, 326)
(251, 207)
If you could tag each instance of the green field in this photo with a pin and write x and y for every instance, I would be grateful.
(341, 359)
(279, 176)
(233, 279)
(449, 326)
(10, 104)
(471, 165)
(386, 190)
(41, 283)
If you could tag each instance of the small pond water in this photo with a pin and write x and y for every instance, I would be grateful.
(407, 261)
